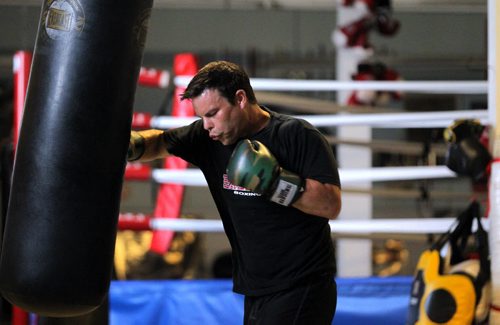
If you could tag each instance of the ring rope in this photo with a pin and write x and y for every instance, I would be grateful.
(437, 87)
(357, 226)
(395, 120)
(194, 177)
(391, 146)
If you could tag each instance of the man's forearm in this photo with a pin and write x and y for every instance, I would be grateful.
(323, 200)
(148, 145)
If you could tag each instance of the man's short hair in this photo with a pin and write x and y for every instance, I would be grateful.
(224, 76)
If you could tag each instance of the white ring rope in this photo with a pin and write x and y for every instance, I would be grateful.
(420, 119)
(357, 226)
(395, 120)
(194, 177)
(438, 87)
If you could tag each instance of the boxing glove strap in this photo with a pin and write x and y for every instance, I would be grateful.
(288, 188)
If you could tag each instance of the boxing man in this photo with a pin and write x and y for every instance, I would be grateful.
(275, 182)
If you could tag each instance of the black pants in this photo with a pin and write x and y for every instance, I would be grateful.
(311, 303)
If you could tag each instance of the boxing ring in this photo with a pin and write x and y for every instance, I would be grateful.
(174, 301)
(215, 298)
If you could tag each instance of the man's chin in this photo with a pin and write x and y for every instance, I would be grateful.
(227, 142)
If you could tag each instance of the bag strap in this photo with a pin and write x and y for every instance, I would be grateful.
(482, 245)
(461, 225)
(459, 238)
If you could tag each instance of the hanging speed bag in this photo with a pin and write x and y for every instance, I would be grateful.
(68, 172)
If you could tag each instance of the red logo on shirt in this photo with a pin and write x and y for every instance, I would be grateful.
(226, 184)
(237, 190)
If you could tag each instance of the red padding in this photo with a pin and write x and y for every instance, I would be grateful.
(169, 201)
(22, 66)
(141, 121)
(154, 78)
(129, 221)
(137, 172)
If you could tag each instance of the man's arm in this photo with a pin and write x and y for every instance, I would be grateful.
(323, 200)
(146, 145)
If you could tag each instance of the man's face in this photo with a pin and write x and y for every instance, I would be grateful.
(220, 118)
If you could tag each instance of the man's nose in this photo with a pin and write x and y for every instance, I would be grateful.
(207, 125)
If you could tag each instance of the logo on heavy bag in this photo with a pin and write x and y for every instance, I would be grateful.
(62, 17)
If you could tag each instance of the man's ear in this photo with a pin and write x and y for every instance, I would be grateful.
(241, 98)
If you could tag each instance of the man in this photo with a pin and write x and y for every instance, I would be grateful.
(275, 183)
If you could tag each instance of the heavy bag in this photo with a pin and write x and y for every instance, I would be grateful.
(68, 172)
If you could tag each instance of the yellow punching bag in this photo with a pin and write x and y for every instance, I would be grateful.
(447, 299)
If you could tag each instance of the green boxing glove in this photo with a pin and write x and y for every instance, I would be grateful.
(254, 167)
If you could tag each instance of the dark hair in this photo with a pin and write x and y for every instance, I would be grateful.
(224, 76)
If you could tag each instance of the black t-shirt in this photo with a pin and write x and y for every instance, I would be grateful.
(273, 246)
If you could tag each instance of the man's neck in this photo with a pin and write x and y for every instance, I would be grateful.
(259, 119)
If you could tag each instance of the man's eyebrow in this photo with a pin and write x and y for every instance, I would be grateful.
(211, 111)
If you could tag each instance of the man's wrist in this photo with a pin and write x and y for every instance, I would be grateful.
(289, 187)
(136, 147)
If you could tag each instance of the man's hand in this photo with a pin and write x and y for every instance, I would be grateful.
(136, 146)
(146, 145)
(254, 167)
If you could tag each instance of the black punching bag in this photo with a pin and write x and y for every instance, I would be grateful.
(68, 172)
